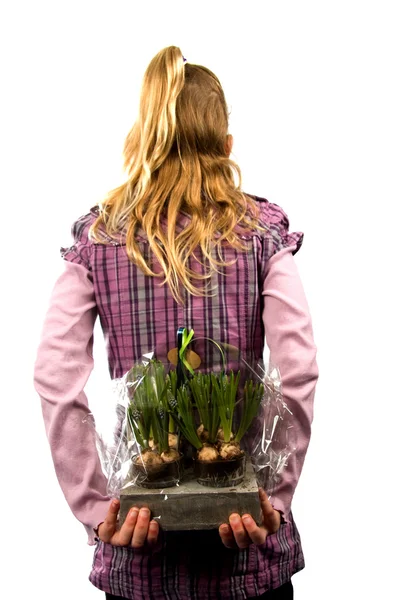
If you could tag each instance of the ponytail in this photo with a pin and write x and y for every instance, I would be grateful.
(151, 138)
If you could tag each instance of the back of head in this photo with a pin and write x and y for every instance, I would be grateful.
(177, 160)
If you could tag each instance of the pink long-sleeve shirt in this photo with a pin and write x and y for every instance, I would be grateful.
(261, 299)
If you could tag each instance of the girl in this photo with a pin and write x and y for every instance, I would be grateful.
(178, 243)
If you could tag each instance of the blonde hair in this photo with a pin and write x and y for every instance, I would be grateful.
(176, 160)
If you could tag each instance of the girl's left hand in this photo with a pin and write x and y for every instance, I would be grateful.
(243, 531)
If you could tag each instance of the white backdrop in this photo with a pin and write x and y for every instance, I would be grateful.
(314, 92)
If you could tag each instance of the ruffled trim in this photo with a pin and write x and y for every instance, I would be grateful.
(276, 222)
(80, 251)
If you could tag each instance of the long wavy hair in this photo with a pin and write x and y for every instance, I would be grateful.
(177, 161)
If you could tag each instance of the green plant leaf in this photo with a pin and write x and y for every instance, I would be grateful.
(252, 396)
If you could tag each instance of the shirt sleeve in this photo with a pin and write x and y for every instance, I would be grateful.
(289, 336)
(63, 364)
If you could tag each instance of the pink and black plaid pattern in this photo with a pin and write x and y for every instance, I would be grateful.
(139, 315)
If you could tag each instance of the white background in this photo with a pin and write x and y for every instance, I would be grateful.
(314, 92)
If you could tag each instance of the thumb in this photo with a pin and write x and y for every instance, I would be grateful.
(108, 527)
(266, 506)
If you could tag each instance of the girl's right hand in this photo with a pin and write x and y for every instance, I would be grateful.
(136, 531)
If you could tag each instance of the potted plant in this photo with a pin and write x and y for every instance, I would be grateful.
(213, 400)
(158, 462)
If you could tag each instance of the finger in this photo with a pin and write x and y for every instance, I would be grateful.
(124, 536)
(109, 525)
(239, 532)
(152, 535)
(141, 528)
(255, 533)
(226, 535)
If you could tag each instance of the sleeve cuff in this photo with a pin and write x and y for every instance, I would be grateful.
(98, 517)
(283, 512)
(96, 532)
(283, 520)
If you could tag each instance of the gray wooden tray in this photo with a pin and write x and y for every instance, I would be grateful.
(192, 506)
